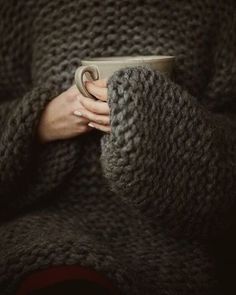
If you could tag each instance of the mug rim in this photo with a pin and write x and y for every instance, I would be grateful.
(120, 59)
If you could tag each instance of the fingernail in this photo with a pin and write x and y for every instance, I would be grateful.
(91, 125)
(78, 113)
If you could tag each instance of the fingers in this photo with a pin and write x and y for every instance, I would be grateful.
(95, 106)
(90, 110)
(100, 127)
(73, 91)
(81, 120)
(100, 83)
(99, 119)
(95, 88)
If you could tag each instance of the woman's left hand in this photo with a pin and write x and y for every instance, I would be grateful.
(96, 111)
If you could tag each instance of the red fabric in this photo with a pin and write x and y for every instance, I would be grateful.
(45, 278)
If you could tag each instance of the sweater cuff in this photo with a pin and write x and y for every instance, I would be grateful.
(129, 153)
(29, 169)
(167, 155)
(18, 134)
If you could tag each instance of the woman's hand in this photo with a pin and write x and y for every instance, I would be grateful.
(96, 111)
(58, 120)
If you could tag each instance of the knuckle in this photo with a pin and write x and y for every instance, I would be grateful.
(99, 96)
(71, 94)
(70, 97)
(100, 121)
(82, 128)
(107, 120)
(97, 119)
(82, 120)
(74, 90)
(92, 116)
(93, 107)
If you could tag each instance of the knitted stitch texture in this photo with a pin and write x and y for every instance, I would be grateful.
(144, 204)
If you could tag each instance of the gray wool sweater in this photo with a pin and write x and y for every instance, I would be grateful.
(146, 204)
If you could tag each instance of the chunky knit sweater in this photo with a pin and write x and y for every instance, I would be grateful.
(147, 203)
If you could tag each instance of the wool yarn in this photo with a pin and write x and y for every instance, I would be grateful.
(144, 204)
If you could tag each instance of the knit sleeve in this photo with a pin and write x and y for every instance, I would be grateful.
(29, 171)
(171, 156)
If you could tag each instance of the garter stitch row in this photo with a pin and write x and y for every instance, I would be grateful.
(150, 204)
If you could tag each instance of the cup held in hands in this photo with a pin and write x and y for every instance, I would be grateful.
(104, 67)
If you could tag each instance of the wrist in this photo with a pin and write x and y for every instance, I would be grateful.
(41, 137)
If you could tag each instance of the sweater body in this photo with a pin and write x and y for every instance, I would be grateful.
(117, 203)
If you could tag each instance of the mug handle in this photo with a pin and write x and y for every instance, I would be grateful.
(79, 78)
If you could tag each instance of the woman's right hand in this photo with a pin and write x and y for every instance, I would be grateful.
(58, 120)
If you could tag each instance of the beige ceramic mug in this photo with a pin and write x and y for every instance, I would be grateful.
(104, 67)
